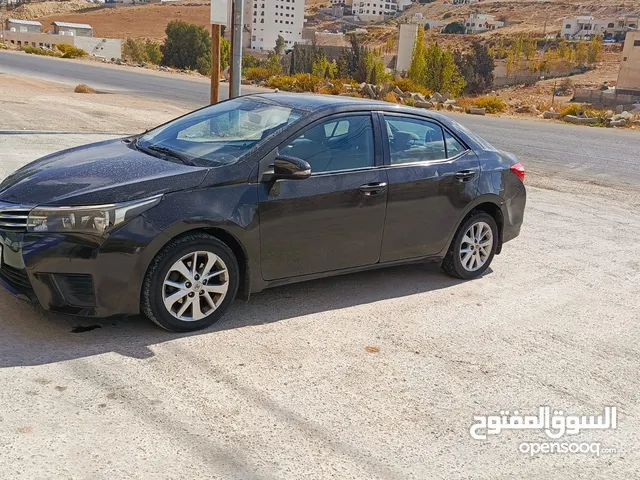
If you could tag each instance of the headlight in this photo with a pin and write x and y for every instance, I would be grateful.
(94, 219)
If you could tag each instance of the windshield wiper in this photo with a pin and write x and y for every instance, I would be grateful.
(170, 153)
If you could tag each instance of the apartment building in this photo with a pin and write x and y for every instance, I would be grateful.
(584, 27)
(479, 22)
(377, 10)
(270, 18)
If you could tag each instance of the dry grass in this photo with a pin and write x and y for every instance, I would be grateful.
(82, 88)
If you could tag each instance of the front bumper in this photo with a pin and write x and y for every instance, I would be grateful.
(79, 274)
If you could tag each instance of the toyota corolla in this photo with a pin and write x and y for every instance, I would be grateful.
(252, 193)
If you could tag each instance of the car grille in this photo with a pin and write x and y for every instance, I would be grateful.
(16, 277)
(13, 217)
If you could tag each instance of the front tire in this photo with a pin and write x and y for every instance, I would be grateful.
(473, 247)
(190, 283)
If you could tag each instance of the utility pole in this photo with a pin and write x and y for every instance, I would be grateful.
(215, 64)
(219, 12)
(236, 53)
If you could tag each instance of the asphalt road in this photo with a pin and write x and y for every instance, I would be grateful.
(603, 156)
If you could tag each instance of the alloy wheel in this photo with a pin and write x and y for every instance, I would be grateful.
(195, 286)
(476, 246)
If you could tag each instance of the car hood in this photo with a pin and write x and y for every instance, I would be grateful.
(99, 173)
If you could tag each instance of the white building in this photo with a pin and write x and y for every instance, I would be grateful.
(584, 27)
(378, 10)
(270, 18)
(480, 22)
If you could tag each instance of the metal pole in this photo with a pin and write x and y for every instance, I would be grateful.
(236, 60)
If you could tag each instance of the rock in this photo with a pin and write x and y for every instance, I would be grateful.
(618, 123)
(363, 84)
(418, 97)
(437, 97)
(118, 61)
(449, 102)
(609, 113)
(523, 109)
(550, 115)
(368, 91)
(276, 90)
(477, 111)
(620, 109)
(626, 115)
(581, 120)
(386, 88)
(445, 97)
(457, 108)
(424, 104)
(398, 92)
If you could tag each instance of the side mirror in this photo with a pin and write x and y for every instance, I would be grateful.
(292, 168)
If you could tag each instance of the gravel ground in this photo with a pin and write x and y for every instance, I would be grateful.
(371, 375)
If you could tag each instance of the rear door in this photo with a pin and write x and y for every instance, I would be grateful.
(433, 177)
(335, 218)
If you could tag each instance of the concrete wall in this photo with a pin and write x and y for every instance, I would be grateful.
(101, 47)
(526, 76)
(629, 76)
(406, 41)
(607, 98)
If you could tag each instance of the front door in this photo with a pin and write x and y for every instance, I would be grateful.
(335, 218)
(433, 177)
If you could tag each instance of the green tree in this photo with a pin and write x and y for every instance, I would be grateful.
(187, 46)
(418, 62)
(274, 64)
(134, 50)
(594, 50)
(529, 48)
(581, 53)
(153, 52)
(441, 73)
(476, 66)
(454, 27)
(279, 48)
(225, 53)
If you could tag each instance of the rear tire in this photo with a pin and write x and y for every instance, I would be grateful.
(180, 296)
(473, 247)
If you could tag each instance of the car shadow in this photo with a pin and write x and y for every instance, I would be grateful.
(31, 336)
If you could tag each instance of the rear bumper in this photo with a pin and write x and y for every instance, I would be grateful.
(513, 214)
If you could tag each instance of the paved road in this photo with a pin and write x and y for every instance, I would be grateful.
(576, 152)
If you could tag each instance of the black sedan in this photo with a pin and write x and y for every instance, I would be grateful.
(251, 193)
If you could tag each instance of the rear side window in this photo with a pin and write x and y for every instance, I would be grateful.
(414, 140)
(454, 147)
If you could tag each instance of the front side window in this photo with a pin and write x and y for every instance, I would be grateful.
(413, 140)
(220, 134)
(344, 143)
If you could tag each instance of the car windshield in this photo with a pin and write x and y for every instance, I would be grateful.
(219, 134)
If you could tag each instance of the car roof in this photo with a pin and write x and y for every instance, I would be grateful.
(314, 102)
(327, 104)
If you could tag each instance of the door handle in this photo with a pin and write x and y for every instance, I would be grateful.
(464, 175)
(373, 188)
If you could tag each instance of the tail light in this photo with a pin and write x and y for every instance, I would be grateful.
(518, 169)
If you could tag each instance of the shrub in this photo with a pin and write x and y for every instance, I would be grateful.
(465, 102)
(491, 104)
(154, 54)
(391, 98)
(134, 50)
(410, 102)
(258, 74)
(82, 88)
(408, 85)
(69, 51)
(573, 109)
(454, 27)
(301, 82)
(41, 51)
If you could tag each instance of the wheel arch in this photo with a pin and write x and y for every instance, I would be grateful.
(490, 204)
(217, 231)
